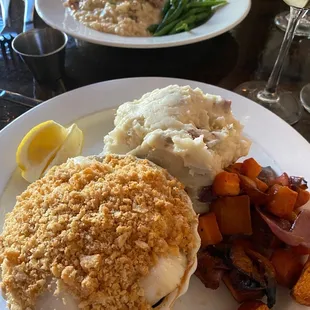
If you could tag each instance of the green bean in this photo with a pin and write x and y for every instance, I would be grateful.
(195, 11)
(166, 7)
(152, 28)
(181, 5)
(195, 4)
(190, 20)
(170, 17)
(166, 29)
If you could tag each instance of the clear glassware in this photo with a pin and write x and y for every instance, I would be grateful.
(305, 97)
(269, 94)
(303, 29)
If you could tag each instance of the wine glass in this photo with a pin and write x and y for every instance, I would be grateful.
(305, 97)
(280, 101)
(303, 29)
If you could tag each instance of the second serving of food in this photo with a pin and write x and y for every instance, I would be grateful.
(143, 18)
(166, 198)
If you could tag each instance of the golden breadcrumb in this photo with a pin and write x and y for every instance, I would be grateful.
(95, 228)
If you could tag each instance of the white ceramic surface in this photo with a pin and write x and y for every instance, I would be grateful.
(57, 16)
(93, 107)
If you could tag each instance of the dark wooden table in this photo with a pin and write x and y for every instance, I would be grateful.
(247, 52)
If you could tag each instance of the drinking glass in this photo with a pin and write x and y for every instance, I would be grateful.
(305, 97)
(303, 29)
(268, 94)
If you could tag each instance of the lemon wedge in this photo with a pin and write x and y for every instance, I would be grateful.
(71, 147)
(40, 146)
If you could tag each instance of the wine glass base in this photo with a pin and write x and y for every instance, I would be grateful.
(305, 97)
(303, 29)
(286, 105)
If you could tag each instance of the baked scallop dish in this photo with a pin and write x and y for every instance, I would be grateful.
(115, 232)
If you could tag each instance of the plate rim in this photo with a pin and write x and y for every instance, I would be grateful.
(138, 42)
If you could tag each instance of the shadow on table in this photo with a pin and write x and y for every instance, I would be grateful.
(207, 61)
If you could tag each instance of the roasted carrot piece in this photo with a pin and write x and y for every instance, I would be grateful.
(209, 230)
(281, 201)
(233, 215)
(300, 250)
(302, 198)
(253, 305)
(250, 168)
(288, 267)
(283, 180)
(262, 186)
(242, 295)
(235, 168)
(250, 188)
(226, 184)
(301, 290)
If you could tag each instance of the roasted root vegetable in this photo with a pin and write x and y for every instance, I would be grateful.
(283, 180)
(235, 168)
(301, 290)
(243, 263)
(262, 186)
(233, 215)
(249, 187)
(241, 295)
(262, 236)
(288, 267)
(210, 270)
(281, 201)
(208, 230)
(267, 175)
(267, 270)
(300, 250)
(299, 182)
(250, 168)
(226, 184)
(302, 198)
(253, 305)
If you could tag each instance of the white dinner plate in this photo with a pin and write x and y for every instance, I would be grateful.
(57, 16)
(93, 107)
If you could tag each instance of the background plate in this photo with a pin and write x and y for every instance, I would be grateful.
(57, 16)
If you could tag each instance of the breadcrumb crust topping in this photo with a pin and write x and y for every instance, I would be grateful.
(96, 229)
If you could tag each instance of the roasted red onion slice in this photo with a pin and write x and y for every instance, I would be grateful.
(297, 234)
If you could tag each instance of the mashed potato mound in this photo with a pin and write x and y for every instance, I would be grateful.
(95, 226)
(191, 134)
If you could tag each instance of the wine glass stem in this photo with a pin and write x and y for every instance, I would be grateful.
(269, 94)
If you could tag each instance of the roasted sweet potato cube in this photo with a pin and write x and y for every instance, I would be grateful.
(302, 198)
(250, 168)
(226, 184)
(250, 188)
(253, 305)
(208, 230)
(301, 290)
(233, 215)
(262, 186)
(244, 295)
(288, 266)
(281, 201)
